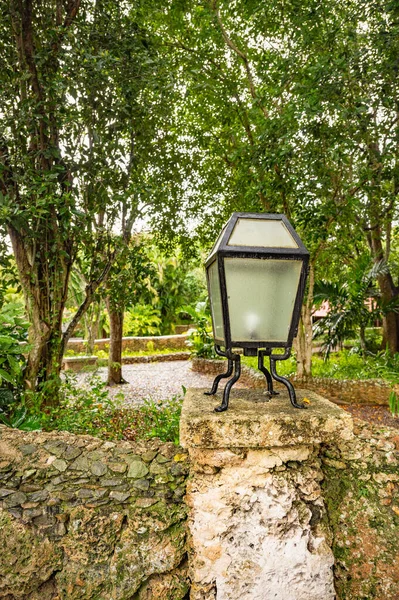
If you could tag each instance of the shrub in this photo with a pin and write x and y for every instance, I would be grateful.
(141, 320)
(200, 340)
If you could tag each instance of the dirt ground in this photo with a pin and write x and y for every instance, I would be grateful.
(379, 415)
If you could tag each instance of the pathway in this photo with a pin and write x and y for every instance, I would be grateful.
(156, 380)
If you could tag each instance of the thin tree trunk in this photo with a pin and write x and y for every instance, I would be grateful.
(93, 325)
(388, 292)
(115, 345)
(362, 338)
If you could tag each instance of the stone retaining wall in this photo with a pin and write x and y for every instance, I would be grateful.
(370, 391)
(135, 344)
(172, 356)
(361, 493)
(84, 519)
(276, 497)
(81, 363)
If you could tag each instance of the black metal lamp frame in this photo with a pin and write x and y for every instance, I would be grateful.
(264, 348)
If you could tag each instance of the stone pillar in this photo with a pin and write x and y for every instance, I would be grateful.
(257, 519)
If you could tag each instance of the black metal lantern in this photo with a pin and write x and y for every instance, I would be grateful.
(256, 274)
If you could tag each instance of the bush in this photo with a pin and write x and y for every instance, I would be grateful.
(142, 320)
(350, 365)
(85, 409)
(13, 331)
(161, 419)
(200, 340)
(89, 409)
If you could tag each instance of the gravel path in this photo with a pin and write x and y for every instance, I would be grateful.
(156, 380)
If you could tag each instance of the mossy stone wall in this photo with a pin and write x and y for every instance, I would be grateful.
(361, 492)
(82, 518)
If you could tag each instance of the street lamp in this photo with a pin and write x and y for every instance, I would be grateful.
(256, 274)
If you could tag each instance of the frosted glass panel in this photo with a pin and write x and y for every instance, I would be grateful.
(261, 234)
(216, 302)
(261, 296)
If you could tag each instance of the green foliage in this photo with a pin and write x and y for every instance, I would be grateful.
(350, 365)
(85, 409)
(161, 419)
(343, 365)
(13, 332)
(142, 320)
(349, 304)
(11, 362)
(286, 368)
(19, 417)
(394, 403)
(88, 409)
(175, 281)
(86, 102)
(200, 340)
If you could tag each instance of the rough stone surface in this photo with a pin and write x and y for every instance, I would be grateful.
(257, 521)
(74, 528)
(135, 344)
(251, 421)
(361, 492)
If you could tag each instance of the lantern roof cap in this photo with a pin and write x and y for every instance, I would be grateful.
(260, 233)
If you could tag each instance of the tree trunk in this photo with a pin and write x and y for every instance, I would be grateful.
(303, 342)
(115, 345)
(92, 327)
(388, 293)
(362, 338)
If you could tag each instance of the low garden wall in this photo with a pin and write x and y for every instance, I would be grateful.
(361, 493)
(135, 344)
(302, 504)
(371, 391)
(81, 363)
(85, 519)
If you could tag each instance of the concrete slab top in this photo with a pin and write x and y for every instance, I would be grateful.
(253, 422)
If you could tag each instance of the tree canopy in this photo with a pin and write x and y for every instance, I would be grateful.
(185, 111)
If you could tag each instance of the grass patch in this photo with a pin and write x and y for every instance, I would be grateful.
(349, 365)
(342, 365)
(286, 368)
(89, 410)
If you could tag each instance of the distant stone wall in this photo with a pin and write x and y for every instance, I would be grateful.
(172, 356)
(81, 363)
(84, 519)
(135, 344)
(367, 391)
(361, 493)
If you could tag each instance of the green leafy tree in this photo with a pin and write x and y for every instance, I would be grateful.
(81, 93)
(294, 110)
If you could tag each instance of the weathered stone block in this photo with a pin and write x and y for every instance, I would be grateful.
(251, 422)
(137, 469)
(257, 519)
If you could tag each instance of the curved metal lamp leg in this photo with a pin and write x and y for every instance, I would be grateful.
(220, 377)
(262, 368)
(286, 382)
(226, 394)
